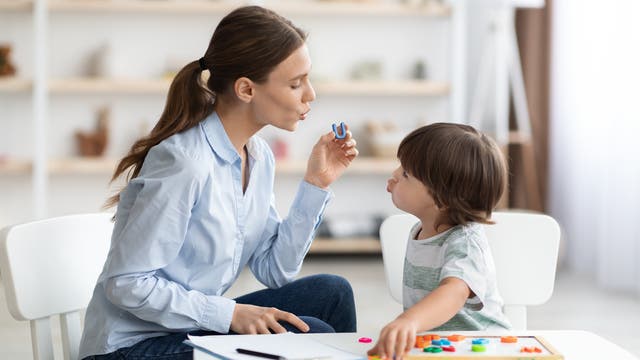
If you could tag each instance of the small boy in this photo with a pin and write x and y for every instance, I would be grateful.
(450, 177)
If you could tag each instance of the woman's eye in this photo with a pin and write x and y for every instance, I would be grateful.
(295, 86)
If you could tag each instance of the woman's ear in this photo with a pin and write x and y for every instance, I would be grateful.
(244, 89)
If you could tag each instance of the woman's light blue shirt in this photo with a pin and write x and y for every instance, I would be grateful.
(184, 231)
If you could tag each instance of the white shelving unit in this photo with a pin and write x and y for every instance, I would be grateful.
(292, 7)
(46, 89)
(15, 167)
(160, 86)
(16, 5)
(15, 85)
(105, 166)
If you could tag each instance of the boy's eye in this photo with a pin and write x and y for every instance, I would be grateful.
(405, 174)
(295, 86)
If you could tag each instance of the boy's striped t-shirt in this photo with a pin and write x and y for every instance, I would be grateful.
(462, 252)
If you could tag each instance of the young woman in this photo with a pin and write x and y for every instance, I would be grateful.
(199, 206)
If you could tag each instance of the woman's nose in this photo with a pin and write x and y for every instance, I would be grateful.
(310, 94)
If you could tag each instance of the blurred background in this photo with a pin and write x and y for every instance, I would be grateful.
(555, 83)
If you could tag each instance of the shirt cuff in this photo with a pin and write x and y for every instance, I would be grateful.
(310, 202)
(217, 314)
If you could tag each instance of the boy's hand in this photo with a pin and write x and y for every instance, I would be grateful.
(397, 338)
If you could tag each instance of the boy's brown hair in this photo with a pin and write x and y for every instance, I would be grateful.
(463, 170)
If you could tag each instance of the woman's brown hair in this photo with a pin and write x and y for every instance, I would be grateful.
(249, 42)
(463, 169)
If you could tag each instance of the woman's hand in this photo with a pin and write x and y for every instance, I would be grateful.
(329, 158)
(251, 319)
(397, 338)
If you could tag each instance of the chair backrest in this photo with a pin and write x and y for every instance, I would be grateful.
(524, 248)
(50, 267)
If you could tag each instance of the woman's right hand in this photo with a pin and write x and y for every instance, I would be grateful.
(329, 158)
(251, 319)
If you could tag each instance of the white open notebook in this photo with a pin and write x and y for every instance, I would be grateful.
(287, 345)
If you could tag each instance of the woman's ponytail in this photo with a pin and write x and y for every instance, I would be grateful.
(188, 102)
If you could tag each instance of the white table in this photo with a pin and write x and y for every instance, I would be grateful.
(572, 344)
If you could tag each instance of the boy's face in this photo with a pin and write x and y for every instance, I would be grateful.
(410, 195)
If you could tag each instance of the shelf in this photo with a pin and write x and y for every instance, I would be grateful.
(161, 86)
(108, 86)
(382, 88)
(14, 167)
(75, 166)
(16, 5)
(14, 84)
(360, 166)
(99, 165)
(83, 166)
(139, 6)
(286, 8)
(358, 8)
(345, 246)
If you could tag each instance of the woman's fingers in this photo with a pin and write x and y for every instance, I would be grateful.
(262, 328)
(293, 320)
(328, 137)
(251, 319)
(339, 129)
(352, 153)
(347, 145)
(350, 143)
(277, 328)
(344, 139)
(271, 322)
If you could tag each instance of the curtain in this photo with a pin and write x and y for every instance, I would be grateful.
(594, 165)
(532, 28)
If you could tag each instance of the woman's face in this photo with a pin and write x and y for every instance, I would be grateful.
(284, 98)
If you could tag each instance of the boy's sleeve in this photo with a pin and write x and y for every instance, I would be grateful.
(464, 259)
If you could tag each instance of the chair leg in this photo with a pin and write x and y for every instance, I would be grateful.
(71, 333)
(517, 314)
(41, 342)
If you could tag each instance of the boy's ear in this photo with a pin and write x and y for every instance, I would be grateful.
(244, 89)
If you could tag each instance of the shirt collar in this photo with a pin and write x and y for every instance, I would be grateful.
(221, 144)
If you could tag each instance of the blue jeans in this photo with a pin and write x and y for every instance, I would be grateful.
(324, 302)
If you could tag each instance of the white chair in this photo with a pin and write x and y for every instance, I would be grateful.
(525, 251)
(49, 267)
